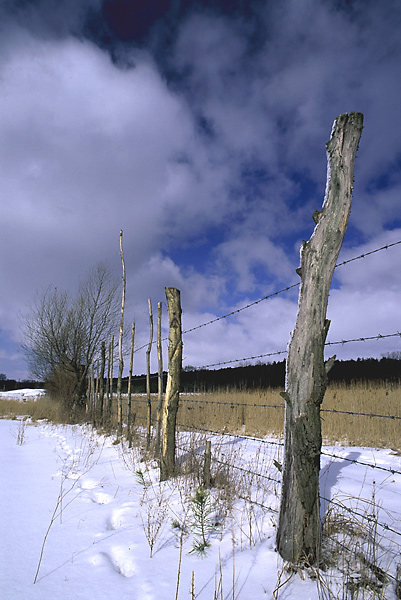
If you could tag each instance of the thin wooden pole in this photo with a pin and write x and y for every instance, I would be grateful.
(110, 378)
(92, 400)
(170, 408)
(120, 345)
(299, 531)
(148, 351)
(101, 383)
(131, 367)
(206, 468)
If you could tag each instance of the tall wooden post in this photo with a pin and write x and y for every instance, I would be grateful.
(120, 346)
(101, 382)
(110, 381)
(299, 531)
(131, 366)
(159, 377)
(170, 408)
(148, 351)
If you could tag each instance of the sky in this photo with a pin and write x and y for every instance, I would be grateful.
(199, 129)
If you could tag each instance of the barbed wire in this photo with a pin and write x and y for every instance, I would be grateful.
(345, 262)
(370, 518)
(358, 414)
(281, 406)
(360, 462)
(280, 444)
(238, 310)
(272, 295)
(279, 352)
(286, 289)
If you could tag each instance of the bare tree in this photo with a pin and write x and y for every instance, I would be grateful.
(62, 335)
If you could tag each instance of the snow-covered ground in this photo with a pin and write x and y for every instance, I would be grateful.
(83, 512)
(22, 395)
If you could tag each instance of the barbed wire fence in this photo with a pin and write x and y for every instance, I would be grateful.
(219, 436)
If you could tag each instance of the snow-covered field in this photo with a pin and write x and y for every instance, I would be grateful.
(22, 395)
(95, 510)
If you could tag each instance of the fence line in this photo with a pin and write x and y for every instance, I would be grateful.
(370, 519)
(279, 352)
(379, 336)
(268, 296)
(282, 291)
(281, 444)
(329, 410)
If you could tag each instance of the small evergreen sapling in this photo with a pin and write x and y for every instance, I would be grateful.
(202, 524)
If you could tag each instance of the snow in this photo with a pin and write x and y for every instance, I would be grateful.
(113, 504)
(22, 395)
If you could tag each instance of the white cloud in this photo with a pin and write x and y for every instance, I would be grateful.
(89, 148)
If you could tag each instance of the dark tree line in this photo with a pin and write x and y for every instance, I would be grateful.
(245, 377)
(272, 375)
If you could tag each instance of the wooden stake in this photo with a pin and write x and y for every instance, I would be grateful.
(120, 345)
(208, 461)
(131, 366)
(148, 351)
(101, 382)
(110, 379)
(299, 531)
(170, 408)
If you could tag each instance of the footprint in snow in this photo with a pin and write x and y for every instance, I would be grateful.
(117, 518)
(101, 498)
(120, 559)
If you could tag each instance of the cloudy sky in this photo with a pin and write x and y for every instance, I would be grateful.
(198, 128)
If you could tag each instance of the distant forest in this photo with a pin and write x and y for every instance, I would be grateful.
(270, 375)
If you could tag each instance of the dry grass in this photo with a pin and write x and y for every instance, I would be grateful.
(349, 413)
(43, 408)
(363, 427)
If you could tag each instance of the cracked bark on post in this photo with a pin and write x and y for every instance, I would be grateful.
(170, 407)
(299, 531)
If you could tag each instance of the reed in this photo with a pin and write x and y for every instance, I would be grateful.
(359, 414)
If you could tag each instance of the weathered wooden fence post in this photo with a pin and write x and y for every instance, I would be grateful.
(131, 366)
(299, 531)
(159, 377)
(110, 382)
(148, 351)
(170, 408)
(207, 478)
(120, 345)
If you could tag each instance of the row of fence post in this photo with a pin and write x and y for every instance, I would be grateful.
(299, 530)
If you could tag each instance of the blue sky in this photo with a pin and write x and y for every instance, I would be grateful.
(198, 128)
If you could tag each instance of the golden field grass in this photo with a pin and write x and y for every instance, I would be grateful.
(42, 409)
(349, 413)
